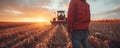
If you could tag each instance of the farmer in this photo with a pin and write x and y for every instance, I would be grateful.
(78, 23)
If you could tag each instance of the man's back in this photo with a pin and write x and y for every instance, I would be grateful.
(79, 15)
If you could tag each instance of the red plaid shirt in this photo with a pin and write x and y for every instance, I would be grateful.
(78, 15)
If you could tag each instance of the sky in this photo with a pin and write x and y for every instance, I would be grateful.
(44, 10)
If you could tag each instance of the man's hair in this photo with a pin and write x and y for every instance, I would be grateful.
(83, 0)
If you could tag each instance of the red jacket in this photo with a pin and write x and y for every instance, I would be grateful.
(78, 15)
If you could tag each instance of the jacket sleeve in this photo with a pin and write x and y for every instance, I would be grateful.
(71, 14)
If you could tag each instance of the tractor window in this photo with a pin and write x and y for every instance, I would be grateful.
(61, 14)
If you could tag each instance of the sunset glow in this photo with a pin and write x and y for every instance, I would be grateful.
(43, 20)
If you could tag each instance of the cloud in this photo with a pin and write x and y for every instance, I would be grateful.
(9, 12)
(115, 2)
(30, 8)
(23, 3)
(13, 12)
(33, 3)
(57, 5)
(112, 14)
(106, 1)
(114, 10)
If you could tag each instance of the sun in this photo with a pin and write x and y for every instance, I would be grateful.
(42, 20)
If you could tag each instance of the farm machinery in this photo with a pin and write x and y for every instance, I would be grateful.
(60, 19)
